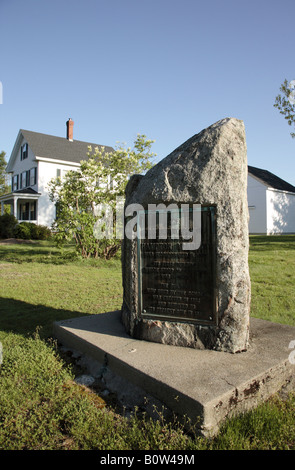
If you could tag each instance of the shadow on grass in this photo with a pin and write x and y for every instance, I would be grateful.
(272, 242)
(36, 252)
(49, 253)
(23, 318)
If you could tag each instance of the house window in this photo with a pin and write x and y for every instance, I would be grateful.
(61, 173)
(27, 211)
(33, 210)
(25, 179)
(24, 152)
(33, 176)
(57, 210)
(14, 183)
(24, 210)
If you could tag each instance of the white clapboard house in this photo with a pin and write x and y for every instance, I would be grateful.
(35, 159)
(271, 202)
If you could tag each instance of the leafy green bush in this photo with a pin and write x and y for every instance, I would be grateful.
(40, 232)
(30, 231)
(22, 231)
(7, 225)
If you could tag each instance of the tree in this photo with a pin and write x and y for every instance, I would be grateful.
(4, 187)
(83, 196)
(286, 103)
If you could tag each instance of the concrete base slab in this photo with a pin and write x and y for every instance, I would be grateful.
(203, 385)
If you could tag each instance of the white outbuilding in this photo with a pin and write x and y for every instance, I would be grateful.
(271, 202)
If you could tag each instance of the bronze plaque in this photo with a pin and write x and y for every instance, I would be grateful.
(177, 284)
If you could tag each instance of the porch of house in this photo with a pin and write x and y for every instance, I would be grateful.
(23, 203)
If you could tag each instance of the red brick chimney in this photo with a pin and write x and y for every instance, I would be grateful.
(70, 125)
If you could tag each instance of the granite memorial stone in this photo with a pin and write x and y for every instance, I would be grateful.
(185, 250)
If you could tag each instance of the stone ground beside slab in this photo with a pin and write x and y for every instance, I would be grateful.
(205, 386)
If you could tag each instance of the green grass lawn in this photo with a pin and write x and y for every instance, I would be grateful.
(40, 405)
(272, 270)
(39, 285)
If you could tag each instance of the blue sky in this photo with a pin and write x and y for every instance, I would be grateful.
(166, 69)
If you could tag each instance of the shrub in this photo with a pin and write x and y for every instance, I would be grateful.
(40, 232)
(22, 231)
(7, 225)
(30, 231)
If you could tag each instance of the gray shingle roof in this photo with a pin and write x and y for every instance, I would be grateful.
(59, 148)
(271, 180)
(26, 191)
